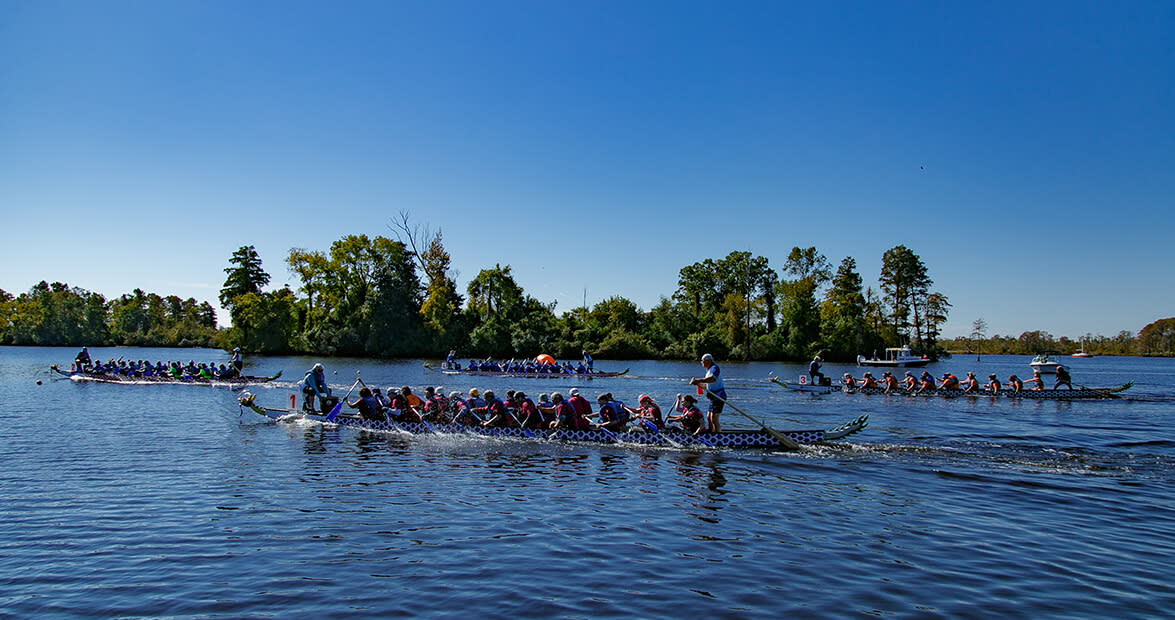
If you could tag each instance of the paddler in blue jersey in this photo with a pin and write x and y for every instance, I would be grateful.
(314, 384)
(716, 392)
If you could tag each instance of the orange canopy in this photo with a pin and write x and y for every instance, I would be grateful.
(543, 358)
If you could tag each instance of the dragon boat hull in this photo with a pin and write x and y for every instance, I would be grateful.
(97, 377)
(740, 439)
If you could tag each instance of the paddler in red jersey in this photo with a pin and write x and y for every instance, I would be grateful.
(691, 419)
(566, 417)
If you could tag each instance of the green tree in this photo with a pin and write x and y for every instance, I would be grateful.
(842, 314)
(245, 275)
(1158, 338)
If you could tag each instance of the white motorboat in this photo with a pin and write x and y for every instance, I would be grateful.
(895, 357)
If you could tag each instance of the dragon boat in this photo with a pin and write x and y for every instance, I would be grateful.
(99, 377)
(735, 439)
(528, 375)
(1079, 393)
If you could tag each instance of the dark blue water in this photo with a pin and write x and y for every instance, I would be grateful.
(167, 501)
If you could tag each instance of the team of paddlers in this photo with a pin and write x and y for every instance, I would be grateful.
(969, 385)
(171, 370)
(516, 410)
(543, 364)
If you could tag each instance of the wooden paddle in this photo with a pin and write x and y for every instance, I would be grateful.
(786, 441)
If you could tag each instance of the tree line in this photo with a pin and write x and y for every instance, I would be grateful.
(385, 297)
(58, 314)
(1156, 339)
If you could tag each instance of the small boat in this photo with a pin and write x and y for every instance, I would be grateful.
(1045, 362)
(737, 439)
(895, 357)
(99, 377)
(1082, 353)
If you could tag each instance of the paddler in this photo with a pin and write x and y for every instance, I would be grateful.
(613, 414)
(566, 416)
(314, 384)
(648, 411)
(1038, 380)
(716, 392)
(528, 414)
(970, 385)
(993, 384)
(691, 419)
(1016, 384)
(495, 411)
(582, 407)
(867, 381)
(369, 408)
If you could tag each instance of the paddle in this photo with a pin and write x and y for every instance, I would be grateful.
(780, 437)
(334, 413)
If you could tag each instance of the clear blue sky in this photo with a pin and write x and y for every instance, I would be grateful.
(1026, 151)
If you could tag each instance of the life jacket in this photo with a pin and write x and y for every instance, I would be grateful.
(369, 408)
(614, 411)
(692, 419)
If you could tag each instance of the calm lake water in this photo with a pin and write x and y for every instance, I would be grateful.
(168, 501)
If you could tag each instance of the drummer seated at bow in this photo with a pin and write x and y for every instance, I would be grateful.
(613, 414)
(692, 420)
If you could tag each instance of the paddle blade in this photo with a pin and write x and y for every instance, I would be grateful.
(649, 425)
(334, 413)
(701, 390)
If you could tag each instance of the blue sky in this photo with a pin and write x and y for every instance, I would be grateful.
(1026, 151)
